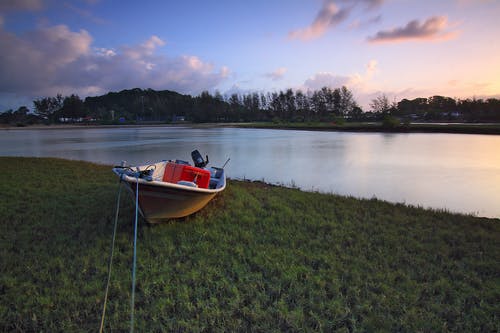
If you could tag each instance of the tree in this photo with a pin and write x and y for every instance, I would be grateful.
(347, 102)
(442, 104)
(20, 117)
(318, 103)
(356, 113)
(48, 106)
(290, 104)
(303, 107)
(72, 108)
(380, 104)
(336, 102)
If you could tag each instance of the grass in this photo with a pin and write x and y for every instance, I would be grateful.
(258, 258)
(379, 127)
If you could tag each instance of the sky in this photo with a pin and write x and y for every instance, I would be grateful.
(400, 48)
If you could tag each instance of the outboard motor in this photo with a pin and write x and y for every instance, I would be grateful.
(198, 160)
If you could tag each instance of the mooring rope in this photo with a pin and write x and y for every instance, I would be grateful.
(110, 264)
(135, 255)
(134, 266)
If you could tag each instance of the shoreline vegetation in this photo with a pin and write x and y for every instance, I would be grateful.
(257, 258)
(368, 127)
(323, 107)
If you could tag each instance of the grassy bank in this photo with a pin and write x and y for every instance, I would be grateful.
(379, 127)
(257, 258)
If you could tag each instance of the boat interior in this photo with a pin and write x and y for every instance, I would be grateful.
(182, 173)
(179, 172)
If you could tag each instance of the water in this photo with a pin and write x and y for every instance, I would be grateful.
(457, 172)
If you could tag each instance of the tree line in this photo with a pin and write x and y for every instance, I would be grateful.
(323, 105)
(440, 108)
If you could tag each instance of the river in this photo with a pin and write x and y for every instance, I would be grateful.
(457, 172)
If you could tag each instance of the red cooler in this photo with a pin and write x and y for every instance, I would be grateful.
(176, 172)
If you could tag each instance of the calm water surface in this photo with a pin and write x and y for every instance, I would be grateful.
(452, 171)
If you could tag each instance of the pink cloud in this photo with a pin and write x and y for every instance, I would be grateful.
(432, 29)
(329, 15)
(353, 81)
(278, 74)
(145, 49)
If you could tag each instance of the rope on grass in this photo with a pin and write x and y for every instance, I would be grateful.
(111, 256)
(135, 255)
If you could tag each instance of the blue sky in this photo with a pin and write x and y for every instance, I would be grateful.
(401, 48)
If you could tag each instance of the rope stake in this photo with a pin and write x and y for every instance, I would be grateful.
(111, 255)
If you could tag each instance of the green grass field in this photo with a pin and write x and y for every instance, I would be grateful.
(258, 258)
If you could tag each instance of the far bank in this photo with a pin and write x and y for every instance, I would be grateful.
(379, 127)
(367, 127)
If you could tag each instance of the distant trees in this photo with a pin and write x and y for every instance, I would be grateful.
(140, 105)
(20, 117)
(54, 109)
(47, 107)
(72, 108)
(441, 108)
(323, 105)
(381, 105)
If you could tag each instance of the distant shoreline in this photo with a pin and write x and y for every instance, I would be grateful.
(452, 128)
(80, 126)
(445, 128)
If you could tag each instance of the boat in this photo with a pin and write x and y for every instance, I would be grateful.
(172, 188)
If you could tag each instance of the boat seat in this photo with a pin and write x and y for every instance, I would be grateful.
(213, 182)
(187, 183)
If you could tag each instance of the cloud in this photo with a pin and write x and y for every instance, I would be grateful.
(371, 68)
(473, 2)
(278, 74)
(373, 3)
(53, 60)
(145, 49)
(352, 81)
(329, 15)
(13, 5)
(361, 84)
(29, 62)
(356, 24)
(87, 14)
(369, 4)
(326, 79)
(433, 28)
(225, 72)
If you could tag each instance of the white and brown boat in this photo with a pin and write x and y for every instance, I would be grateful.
(174, 188)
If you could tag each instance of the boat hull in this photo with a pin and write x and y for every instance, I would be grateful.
(168, 190)
(160, 203)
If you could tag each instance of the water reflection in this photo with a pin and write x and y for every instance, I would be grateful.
(456, 172)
